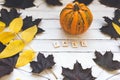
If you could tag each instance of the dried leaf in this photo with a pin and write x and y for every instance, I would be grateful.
(40, 30)
(19, 3)
(117, 14)
(28, 22)
(86, 2)
(25, 57)
(12, 48)
(116, 27)
(42, 63)
(6, 37)
(28, 34)
(111, 3)
(2, 26)
(113, 26)
(106, 61)
(7, 65)
(2, 47)
(53, 2)
(8, 16)
(16, 25)
(77, 73)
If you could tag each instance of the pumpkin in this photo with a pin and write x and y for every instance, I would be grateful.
(75, 18)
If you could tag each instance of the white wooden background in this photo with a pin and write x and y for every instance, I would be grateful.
(67, 56)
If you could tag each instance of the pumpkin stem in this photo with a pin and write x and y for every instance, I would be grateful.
(76, 7)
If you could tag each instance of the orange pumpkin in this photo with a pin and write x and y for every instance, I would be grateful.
(75, 18)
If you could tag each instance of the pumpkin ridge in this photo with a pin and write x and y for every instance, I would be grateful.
(79, 24)
(64, 20)
(85, 20)
(69, 20)
(90, 15)
(87, 17)
(64, 10)
(70, 5)
(63, 14)
(75, 18)
(74, 23)
(82, 21)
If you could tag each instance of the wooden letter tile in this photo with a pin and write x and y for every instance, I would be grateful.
(83, 43)
(65, 43)
(75, 44)
(56, 44)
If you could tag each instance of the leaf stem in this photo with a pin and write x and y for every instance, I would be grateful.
(23, 41)
(113, 76)
(54, 74)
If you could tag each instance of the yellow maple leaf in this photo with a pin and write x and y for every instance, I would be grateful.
(116, 27)
(25, 57)
(12, 48)
(28, 34)
(2, 26)
(16, 25)
(6, 37)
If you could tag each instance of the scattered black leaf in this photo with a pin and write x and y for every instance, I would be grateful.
(86, 2)
(37, 21)
(2, 47)
(109, 29)
(7, 65)
(106, 61)
(8, 16)
(117, 14)
(111, 3)
(77, 73)
(116, 19)
(40, 30)
(19, 3)
(42, 63)
(28, 22)
(53, 2)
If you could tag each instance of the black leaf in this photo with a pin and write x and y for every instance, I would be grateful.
(109, 28)
(77, 73)
(111, 3)
(8, 16)
(117, 14)
(37, 21)
(2, 47)
(7, 65)
(28, 22)
(106, 61)
(116, 19)
(19, 3)
(42, 63)
(53, 2)
(86, 2)
(40, 30)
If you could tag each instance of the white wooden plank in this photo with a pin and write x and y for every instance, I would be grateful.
(47, 9)
(60, 34)
(55, 24)
(49, 12)
(56, 14)
(92, 45)
(67, 56)
(1, 1)
(83, 59)
(57, 69)
(40, 4)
